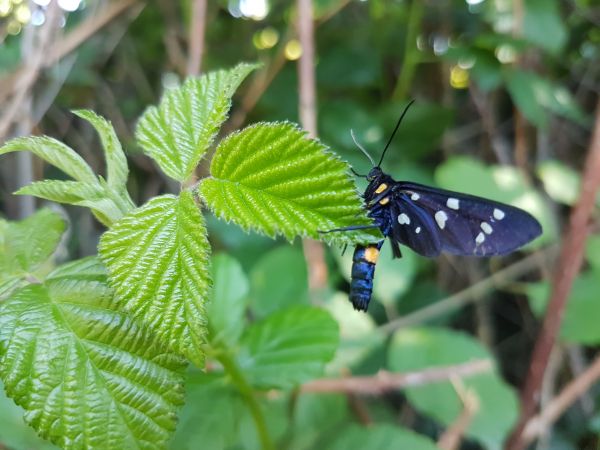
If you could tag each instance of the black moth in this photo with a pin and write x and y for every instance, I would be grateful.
(430, 221)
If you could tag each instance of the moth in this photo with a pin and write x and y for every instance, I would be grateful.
(431, 221)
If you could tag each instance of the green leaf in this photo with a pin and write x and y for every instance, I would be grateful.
(315, 417)
(522, 89)
(534, 95)
(543, 25)
(561, 182)
(178, 132)
(54, 152)
(116, 163)
(580, 319)
(381, 437)
(229, 300)
(158, 260)
(288, 347)
(271, 178)
(69, 192)
(278, 279)
(27, 244)
(592, 251)
(85, 373)
(421, 348)
(211, 415)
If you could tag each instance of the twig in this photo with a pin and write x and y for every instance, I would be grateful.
(196, 37)
(568, 265)
(385, 381)
(451, 438)
(471, 294)
(314, 253)
(69, 43)
(572, 391)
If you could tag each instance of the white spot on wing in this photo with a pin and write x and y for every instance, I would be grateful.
(418, 230)
(498, 214)
(415, 196)
(486, 227)
(403, 219)
(440, 218)
(480, 238)
(452, 203)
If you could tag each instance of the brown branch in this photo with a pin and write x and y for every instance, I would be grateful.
(385, 381)
(69, 43)
(473, 293)
(314, 252)
(452, 436)
(196, 37)
(552, 412)
(568, 265)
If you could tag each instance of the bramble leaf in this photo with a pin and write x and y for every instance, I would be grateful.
(229, 300)
(87, 375)
(27, 244)
(288, 347)
(271, 178)
(158, 261)
(178, 131)
(53, 152)
(116, 163)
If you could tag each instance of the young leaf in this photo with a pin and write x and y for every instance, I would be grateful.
(419, 348)
(158, 260)
(86, 374)
(29, 243)
(54, 152)
(116, 163)
(270, 177)
(288, 347)
(229, 300)
(177, 133)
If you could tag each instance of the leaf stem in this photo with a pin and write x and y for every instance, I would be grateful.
(247, 394)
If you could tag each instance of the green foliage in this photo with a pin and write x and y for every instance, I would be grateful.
(109, 201)
(178, 131)
(561, 182)
(271, 178)
(86, 373)
(26, 245)
(381, 437)
(579, 324)
(272, 288)
(229, 301)
(540, 17)
(158, 260)
(418, 348)
(288, 347)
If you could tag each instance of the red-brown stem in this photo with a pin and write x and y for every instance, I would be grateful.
(314, 252)
(568, 265)
(571, 392)
(196, 37)
(384, 381)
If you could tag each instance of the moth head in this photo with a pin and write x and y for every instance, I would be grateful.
(374, 173)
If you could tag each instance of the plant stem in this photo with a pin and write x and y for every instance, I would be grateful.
(411, 53)
(247, 393)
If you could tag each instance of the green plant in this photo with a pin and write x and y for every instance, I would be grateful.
(95, 350)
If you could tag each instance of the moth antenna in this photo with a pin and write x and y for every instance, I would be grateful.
(356, 173)
(394, 132)
(361, 147)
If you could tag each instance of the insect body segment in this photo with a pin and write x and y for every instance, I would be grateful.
(363, 269)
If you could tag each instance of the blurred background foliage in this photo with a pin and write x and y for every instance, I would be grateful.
(505, 92)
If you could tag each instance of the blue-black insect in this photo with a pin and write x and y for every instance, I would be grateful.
(430, 221)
